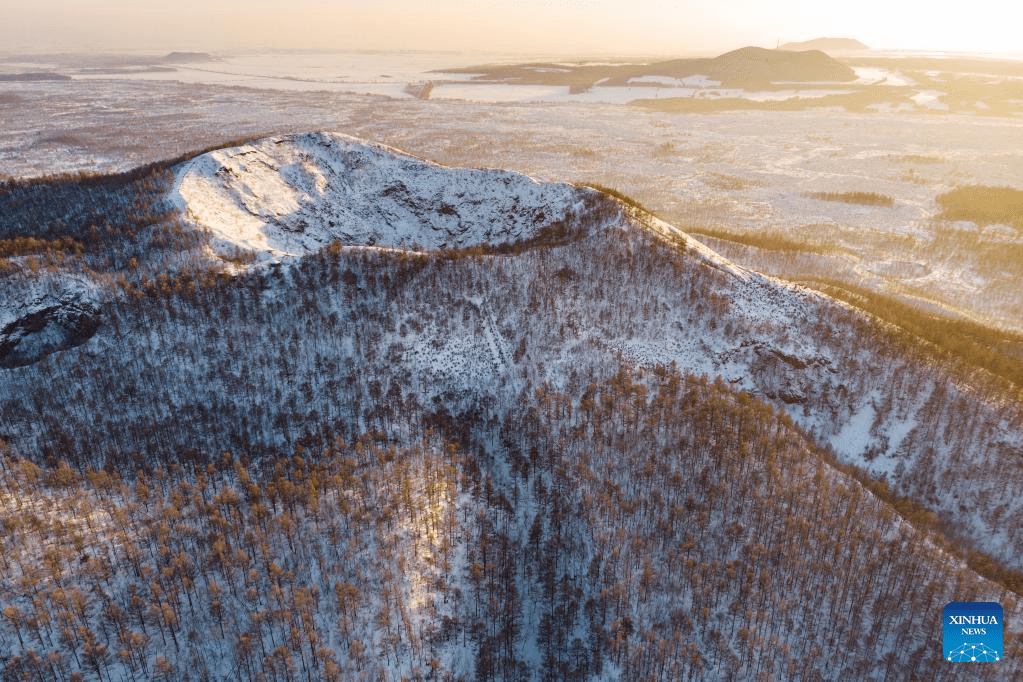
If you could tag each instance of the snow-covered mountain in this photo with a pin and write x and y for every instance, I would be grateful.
(296, 194)
(460, 421)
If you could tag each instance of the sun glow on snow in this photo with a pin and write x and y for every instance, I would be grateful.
(49, 529)
(428, 497)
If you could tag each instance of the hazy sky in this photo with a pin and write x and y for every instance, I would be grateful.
(552, 26)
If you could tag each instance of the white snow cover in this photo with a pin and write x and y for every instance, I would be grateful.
(26, 294)
(697, 81)
(285, 196)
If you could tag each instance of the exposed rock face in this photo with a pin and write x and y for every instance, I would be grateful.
(45, 324)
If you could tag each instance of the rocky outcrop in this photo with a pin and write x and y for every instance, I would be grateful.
(47, 324)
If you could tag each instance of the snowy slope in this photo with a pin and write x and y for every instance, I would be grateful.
(292, 195)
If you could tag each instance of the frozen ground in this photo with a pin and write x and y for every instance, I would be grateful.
(740, 172)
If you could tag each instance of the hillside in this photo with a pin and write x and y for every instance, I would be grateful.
(577, 447)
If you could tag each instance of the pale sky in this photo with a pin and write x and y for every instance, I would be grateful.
(530, 26)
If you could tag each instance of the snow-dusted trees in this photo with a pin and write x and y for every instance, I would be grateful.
(661, 527)
(370, 463)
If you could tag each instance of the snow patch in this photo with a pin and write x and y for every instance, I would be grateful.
(869, 75)
(854, 439)
(930, 99)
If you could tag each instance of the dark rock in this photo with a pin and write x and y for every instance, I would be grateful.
(40, 331)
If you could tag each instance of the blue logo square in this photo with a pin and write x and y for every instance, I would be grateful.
(972, 632)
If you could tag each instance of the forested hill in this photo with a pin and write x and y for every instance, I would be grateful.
(581, 446)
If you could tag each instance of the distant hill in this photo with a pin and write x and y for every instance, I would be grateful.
(187, 57)
(747, 67)
(826, 45)
(752, 66)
